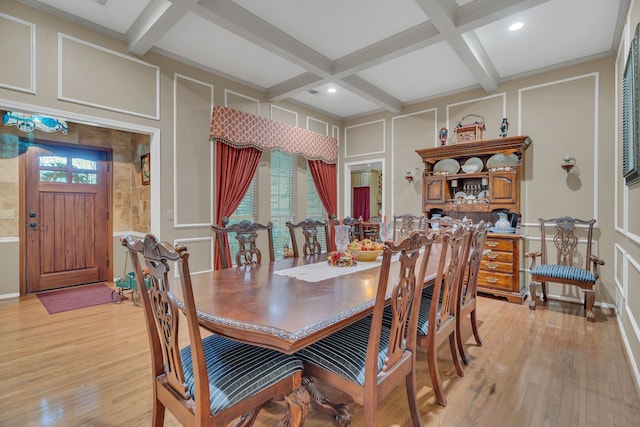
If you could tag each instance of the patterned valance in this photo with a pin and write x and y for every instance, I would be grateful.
(241, 129)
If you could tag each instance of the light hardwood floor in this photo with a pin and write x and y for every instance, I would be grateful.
(548, 367)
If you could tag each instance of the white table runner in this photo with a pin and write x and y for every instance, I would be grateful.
(322, 270)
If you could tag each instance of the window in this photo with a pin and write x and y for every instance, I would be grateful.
(315, 209)
(68, 170)
(282, 198)
(246, 210)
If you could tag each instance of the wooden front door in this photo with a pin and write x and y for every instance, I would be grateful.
(66, 215)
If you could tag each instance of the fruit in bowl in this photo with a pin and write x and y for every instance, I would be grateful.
(365, 250)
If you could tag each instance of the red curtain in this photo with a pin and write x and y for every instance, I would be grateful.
(361, 203)
(326, 181)
(234, 171)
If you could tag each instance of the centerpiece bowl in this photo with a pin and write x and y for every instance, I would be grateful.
(366, 256)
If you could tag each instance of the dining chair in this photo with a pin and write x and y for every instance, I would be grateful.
(439, 303)
(213, 380)
(403, 225)
(310, 228)
(371, 231)
(469, 287)
(356, 231)
(568, 266)
(366, 359)
(246, 233)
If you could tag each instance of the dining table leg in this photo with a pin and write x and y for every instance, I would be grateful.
(339, 411)
(298, 402)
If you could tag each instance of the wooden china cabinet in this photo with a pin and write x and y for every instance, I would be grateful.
(451, 186)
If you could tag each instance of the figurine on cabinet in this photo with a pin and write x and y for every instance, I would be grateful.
(443, 135)
(504, 127)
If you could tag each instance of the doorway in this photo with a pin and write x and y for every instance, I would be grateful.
(370, 165)
(66, 209)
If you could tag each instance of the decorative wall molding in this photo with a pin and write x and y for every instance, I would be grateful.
(67, 82)
(228, 102)
(322, 123)
(177, 188)
(359, 125)
(185, 241)
(286, 110)
(448, 125)
(30, 68)
(596, 99)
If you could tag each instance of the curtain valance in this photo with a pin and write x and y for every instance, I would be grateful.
(241, 129)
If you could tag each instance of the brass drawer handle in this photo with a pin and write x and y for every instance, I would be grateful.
(491, 279)
(491, 243)
(492, 255)
(492, 265)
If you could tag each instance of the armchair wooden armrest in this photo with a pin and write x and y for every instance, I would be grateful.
(533, 256)
(596, 263)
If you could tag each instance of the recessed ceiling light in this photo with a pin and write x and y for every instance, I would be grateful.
(331, 90)
(516, 26)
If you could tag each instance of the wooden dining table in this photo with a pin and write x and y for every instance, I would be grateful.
(287, 304)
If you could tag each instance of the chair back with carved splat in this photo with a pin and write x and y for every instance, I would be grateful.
(469, 286)
(310, 228)
(213, 380)
(367, 359)
(566, 267)
(246, 233)
(439, 305)
(403, 225)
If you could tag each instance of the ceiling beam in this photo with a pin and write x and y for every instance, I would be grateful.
(153, 23)
(470, 52)
(363, 88)
(236, 19)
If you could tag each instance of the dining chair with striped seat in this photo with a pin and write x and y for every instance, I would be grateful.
(469, 287)
(439, 303)
(366, 359)
(214, 380)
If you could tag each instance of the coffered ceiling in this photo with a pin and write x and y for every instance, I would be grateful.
(377, 54)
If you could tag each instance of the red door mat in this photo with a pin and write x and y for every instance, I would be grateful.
(76, 297)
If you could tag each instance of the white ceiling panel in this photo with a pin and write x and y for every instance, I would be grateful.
(342, 103)
(336, 28)
(200, 41)
(421, 74)
(555, 32)
(117, 15)
(381, 54)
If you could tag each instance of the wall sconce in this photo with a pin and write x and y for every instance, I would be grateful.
(568, 163)
(410, 175)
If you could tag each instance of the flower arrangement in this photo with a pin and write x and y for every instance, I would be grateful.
(341, 259)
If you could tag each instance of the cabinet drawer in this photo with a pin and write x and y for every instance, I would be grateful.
(493, 266)
(499, 244)
(497, 256)
(481, 207)
(495, 280)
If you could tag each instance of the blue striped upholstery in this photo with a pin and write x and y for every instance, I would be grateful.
(564, 272)
(423, 315)
(237, 371)
(344, 352)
